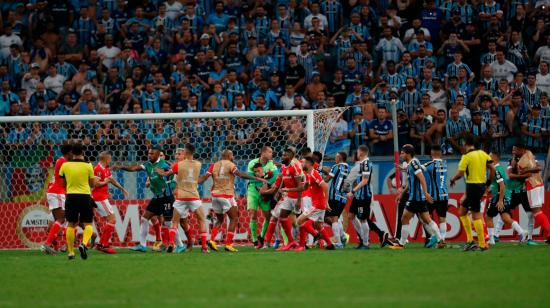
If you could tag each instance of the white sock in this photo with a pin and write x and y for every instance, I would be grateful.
(491, 232)
(404, 234)
(341, 227)
(144, 231)
(443, 230)
(357, 225)
(530, 225)
(365, 231)
(177, 239)
(500, 224)
(517, 227)
(435, 230)
(336, 231)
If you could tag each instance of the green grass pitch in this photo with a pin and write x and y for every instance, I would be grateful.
(508, 274)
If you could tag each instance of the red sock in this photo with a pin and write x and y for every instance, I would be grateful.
(156, 228)
(213, 233)
(229, 238)
(106, 233)
(326, 236)
(303, 235)
(287, 227)
(203, 240)
(165, 232)
(171, 235)
(189, 235)
(270, 231)
(542, 221)
(52, 235)
(308, 226)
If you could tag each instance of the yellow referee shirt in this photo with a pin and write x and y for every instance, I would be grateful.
(474, 165)
(77, 175)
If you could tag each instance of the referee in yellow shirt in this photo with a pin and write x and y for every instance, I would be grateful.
(473, 165)
(79, 178)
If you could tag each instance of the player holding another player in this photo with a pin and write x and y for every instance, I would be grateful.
(79, 178)
(223, 174)
(56, 199)
(418, 195)
(337, 197)
(500, 202)
(100, 194)
(187, 173)
(312, 219)
(436, 171)
(291, 178)
(161, 187)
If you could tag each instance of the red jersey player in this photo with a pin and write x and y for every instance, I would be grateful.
(291, 178)
(56, 200)
(311, 221)
(100, 194)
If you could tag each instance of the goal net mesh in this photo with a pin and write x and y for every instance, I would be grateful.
(28, 152)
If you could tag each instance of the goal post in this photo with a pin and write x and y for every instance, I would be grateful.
(29, 146)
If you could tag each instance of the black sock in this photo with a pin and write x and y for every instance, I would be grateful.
(374, 227)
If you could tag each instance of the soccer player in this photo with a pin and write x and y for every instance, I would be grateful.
(418, 195)
(473, 165)
(79, 178)
(360, 205)
(223, 174)
(253, 197)
(500, 202)
(519, 196)
(436, 171)
(337, 197)
(187, 172)
(291, 178)
(56, 199)
(161, 187)
(100, 194)
(311, 220)
(534, 184)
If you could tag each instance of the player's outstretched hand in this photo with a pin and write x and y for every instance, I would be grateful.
(429, 198)
(500, 206)
(453, 182)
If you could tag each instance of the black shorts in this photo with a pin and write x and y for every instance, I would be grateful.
(336, 208)
(440, 207)
(520, 198)
(416, 207)
(474, 193)
(161, 206)
(79, 208)
(361, 208)
(492, 210)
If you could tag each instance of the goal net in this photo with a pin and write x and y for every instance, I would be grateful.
(29, 147)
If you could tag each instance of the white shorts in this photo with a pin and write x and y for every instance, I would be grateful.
(536, 197)
(287, 203)
(315, 214)
(306, 204)
(104, 208)
(184, 207)
(55, 201)
(222, 205)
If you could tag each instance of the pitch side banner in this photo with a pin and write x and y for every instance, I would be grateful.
(25, 224)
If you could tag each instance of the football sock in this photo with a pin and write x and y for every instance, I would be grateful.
(189, 235)
(106, 233)
(264, 227)
(214, 233)
(491, 232)
(336, 232)
(478, 224)
(467, 225)
(499, 225)
(156, 228)
(143, 232)
(308, 226)
(253, 230)
(54, 230)
(229, 238)
(88, 231)
(365, 232)
(530, 225)
(165, 235)
(70, 236)
(303, 235)
(270, 231)
(517, 227)
(542, 221)
(427, 231)
(374, 227)
(326, 236)
(435, 230)
(443, 230)
(172, 235)
(287, 227)
(404, 234)
(203, 240)
(177, 238)
(357, 226)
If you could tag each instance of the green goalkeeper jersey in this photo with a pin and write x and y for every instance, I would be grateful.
(500, 176)
(159, 185)
(269, 169)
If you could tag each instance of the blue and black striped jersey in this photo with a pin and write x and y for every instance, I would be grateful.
(365, 169)
(436, 180)
(415, 189)
(338, 172)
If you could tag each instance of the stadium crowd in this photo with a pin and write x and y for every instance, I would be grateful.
(451, 66)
